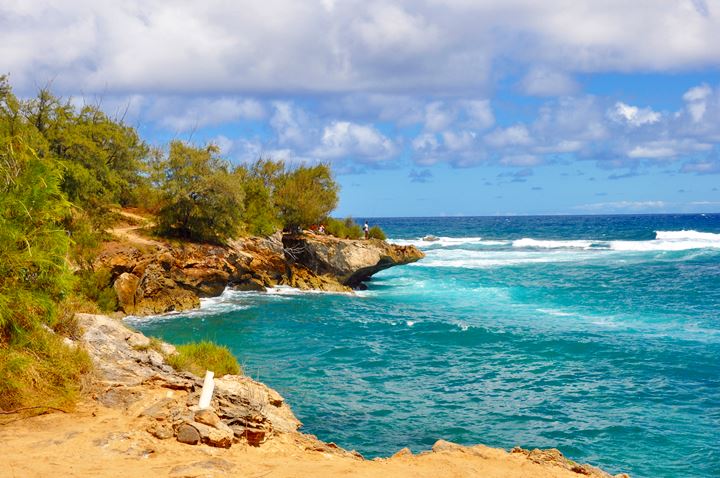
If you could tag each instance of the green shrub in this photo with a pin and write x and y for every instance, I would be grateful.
(96, 286)
(377, 233)
(344, 229)
(197, 357)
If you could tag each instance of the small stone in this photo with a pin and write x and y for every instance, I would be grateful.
(158, 410)
(208, 417)
(167, 349)
(254, 436)
(188, 434)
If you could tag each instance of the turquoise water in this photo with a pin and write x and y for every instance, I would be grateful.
(596, 335)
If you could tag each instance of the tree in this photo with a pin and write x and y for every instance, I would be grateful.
(306, 195)
(202, 200)
(259, 180)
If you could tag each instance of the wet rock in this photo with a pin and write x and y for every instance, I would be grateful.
(188, 434)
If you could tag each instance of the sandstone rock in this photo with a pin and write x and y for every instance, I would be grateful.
(208, 417)
(254, 436)
(125, 286)
(218, 437)
(442, 445)
(207, 468)
(161, 431)
(138, 341)
(349, 261)
(188, 434)
(404, 452)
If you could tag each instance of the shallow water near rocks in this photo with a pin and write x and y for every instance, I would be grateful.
(598, 335)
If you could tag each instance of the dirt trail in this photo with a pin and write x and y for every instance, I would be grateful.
(129, 233)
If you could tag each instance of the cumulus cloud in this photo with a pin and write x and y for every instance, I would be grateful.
(282, 45)
(517, 135)
(632, 115)
(363, 143)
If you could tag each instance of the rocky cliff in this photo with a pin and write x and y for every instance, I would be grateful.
(158, 278)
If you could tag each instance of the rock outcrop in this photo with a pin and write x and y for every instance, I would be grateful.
(351, 262)
(161, 278)
(241, 409)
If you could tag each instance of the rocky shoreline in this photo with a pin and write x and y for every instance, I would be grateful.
(141, 408)
(154, 279)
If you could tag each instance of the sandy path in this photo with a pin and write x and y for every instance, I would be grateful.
(129, 233)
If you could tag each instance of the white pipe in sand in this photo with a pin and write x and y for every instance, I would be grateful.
(207, 390)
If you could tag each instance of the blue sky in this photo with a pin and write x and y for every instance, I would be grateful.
(422, 107)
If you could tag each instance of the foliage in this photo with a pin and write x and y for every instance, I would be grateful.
(258, 181)
(344, 229)
(36, 368)
(202, 200)
(96, 286)
(305, 196)
(197, 357)
(376, 232)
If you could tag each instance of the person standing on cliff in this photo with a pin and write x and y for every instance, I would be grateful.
(366, 229)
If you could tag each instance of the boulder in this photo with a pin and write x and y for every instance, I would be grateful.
(125, 287)
(188, 434)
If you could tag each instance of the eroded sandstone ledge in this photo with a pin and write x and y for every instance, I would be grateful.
(153, 279)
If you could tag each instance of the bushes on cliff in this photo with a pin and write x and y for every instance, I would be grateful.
(198, 357)
(344, 229)
(202, 200)
(376, 232)
(36, 368)
(305, 196)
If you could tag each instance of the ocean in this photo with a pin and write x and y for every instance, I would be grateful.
(596, 335)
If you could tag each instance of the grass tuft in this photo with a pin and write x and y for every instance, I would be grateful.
(197, 357)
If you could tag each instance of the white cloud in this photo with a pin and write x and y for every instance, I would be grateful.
(623, 206)
(517, 135)
(180, 114)
(219, 47)
(479, 113)
(633, 115)
(521, 160)
(543, 81)
(363, 143)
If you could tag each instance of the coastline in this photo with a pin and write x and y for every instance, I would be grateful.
(134, 395)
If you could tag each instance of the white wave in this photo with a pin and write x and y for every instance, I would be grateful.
(687, 235)
(671, 241)
(547, 244)
(447, 242)
(484, 259)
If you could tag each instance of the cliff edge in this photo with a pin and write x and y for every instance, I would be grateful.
(154, 278)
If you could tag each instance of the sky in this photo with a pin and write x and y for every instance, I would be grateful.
(422, 107)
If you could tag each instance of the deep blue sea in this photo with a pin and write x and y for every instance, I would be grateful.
(597, 335)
